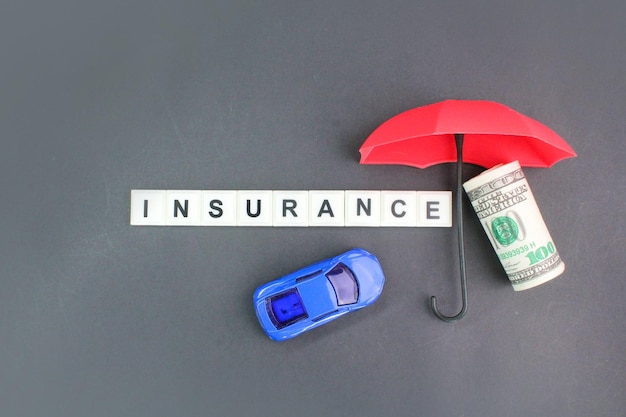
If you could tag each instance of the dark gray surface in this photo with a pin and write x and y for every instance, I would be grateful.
(98, 318)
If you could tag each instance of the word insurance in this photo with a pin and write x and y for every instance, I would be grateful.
(330, 208)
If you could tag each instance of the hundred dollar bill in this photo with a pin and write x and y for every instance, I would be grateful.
(508, 212)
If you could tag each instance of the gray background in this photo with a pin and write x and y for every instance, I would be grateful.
(98, 318)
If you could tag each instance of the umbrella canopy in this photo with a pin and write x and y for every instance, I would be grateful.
(493, 134)
(484, 133)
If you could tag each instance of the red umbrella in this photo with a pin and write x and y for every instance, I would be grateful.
(484, 133)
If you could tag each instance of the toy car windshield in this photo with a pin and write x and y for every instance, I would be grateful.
(344, 284)
(286, 308)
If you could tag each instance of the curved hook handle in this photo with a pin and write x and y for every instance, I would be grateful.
(459, 211)
(433, 299)
(450, 319)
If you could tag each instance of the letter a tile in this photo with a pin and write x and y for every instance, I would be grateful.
(326, 208)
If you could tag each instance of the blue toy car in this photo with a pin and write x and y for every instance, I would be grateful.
(318, 294)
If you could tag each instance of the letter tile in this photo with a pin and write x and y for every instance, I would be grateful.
(147, 207)
(399, 208)
(291, 208)
(362, 208)
(434, 208)
(254, 208)
(182, 208)
(219, 208)
(326, 208)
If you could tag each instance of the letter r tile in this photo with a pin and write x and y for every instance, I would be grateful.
(291, 208)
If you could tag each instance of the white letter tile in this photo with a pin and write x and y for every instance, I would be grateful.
(182, 208)
(434, 208)
(362, 208)
(291, 208)
(254, 208)
(147, 207)
(399, 208)
(326, 208)
(219, 208)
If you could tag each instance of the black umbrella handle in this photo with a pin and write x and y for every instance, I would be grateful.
(459, 212)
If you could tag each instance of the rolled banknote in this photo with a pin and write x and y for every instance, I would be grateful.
(508, 212)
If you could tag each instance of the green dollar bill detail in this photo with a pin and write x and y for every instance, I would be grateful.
(505, 230)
